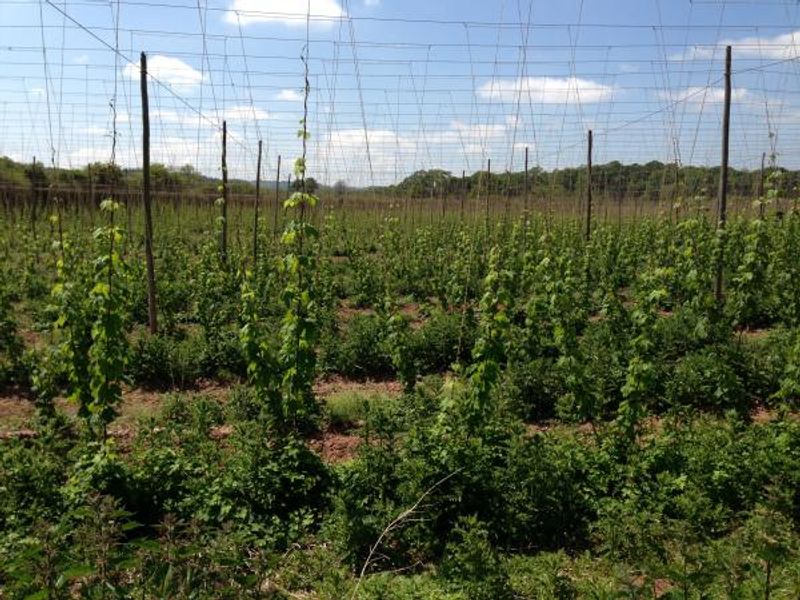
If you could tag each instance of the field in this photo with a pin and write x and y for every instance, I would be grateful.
(380, 405)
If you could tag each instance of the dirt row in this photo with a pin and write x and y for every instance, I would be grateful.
(17, 412)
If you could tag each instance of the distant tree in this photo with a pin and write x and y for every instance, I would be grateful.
(36, 175)
(104, 174)
(163, 178)
(311, 185)
(426, 183)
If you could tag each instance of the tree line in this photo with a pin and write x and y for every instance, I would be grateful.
(651, 181)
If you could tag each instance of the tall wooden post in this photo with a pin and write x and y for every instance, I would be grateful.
(723, 175)
(36, 192)
(258, 201)
(463, 192)
(443, 192)
(488, 188)
(761, 188)
(276, 208)
(527, 191)
(508, 196)
(223, 240)
(148, 215)
(588, 232)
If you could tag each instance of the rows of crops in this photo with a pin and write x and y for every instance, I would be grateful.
(579, 418)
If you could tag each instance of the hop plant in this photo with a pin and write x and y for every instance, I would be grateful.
(92, 323)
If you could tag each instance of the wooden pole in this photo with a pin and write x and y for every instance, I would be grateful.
(588, 232)
(34, 199)
(463, 192)
(148, 214)
(223, 241)
(761, 188)
(527, 191)
(277, 198)
(723, 175)
(488, 188)
(508, 196)
(258, 200)
(444, 195)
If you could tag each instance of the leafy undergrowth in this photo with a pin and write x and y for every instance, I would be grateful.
(536, 414)
(427, 505)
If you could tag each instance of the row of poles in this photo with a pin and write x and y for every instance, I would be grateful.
(151, 277)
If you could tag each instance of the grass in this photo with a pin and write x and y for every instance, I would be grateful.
(347, 409)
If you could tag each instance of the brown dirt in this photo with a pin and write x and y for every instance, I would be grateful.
(31, 339)
(330, 386)
(410, 310)
(754, 335)
(345, 312)
(335, 447)
(14, 410)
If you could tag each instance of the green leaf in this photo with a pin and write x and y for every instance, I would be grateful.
(77, 571)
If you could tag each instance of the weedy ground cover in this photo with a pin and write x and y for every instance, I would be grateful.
(547, 416)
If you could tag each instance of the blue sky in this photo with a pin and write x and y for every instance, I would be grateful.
(398, 86)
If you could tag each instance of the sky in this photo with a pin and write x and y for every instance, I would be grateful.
(396, 86)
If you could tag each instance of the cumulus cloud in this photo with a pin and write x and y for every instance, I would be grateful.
(289, 96)
(245, 113)
(778, 47)
(169, 71)
(286, 12)
(546, 90)
(342, 153)
(696, 95)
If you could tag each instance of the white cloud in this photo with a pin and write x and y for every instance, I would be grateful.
(472, 133)
(342, 154)
(546, 90)
(169, 71)
(779, 47)
(183, 118)
(372, 2)
(83, 156)
(289, 96)
(94, 131)
(286, 12)
(245, 113)
(700, 95)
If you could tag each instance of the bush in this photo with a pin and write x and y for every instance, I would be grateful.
(436, 345)
(11, 364)
(31, 478)
(221, 355)
(532, 389)
(471, 564)
(705, 380)
(243, 404)
(197, 413)
(273, 485)
(531, 493)
(358, 350)
(160, 361)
